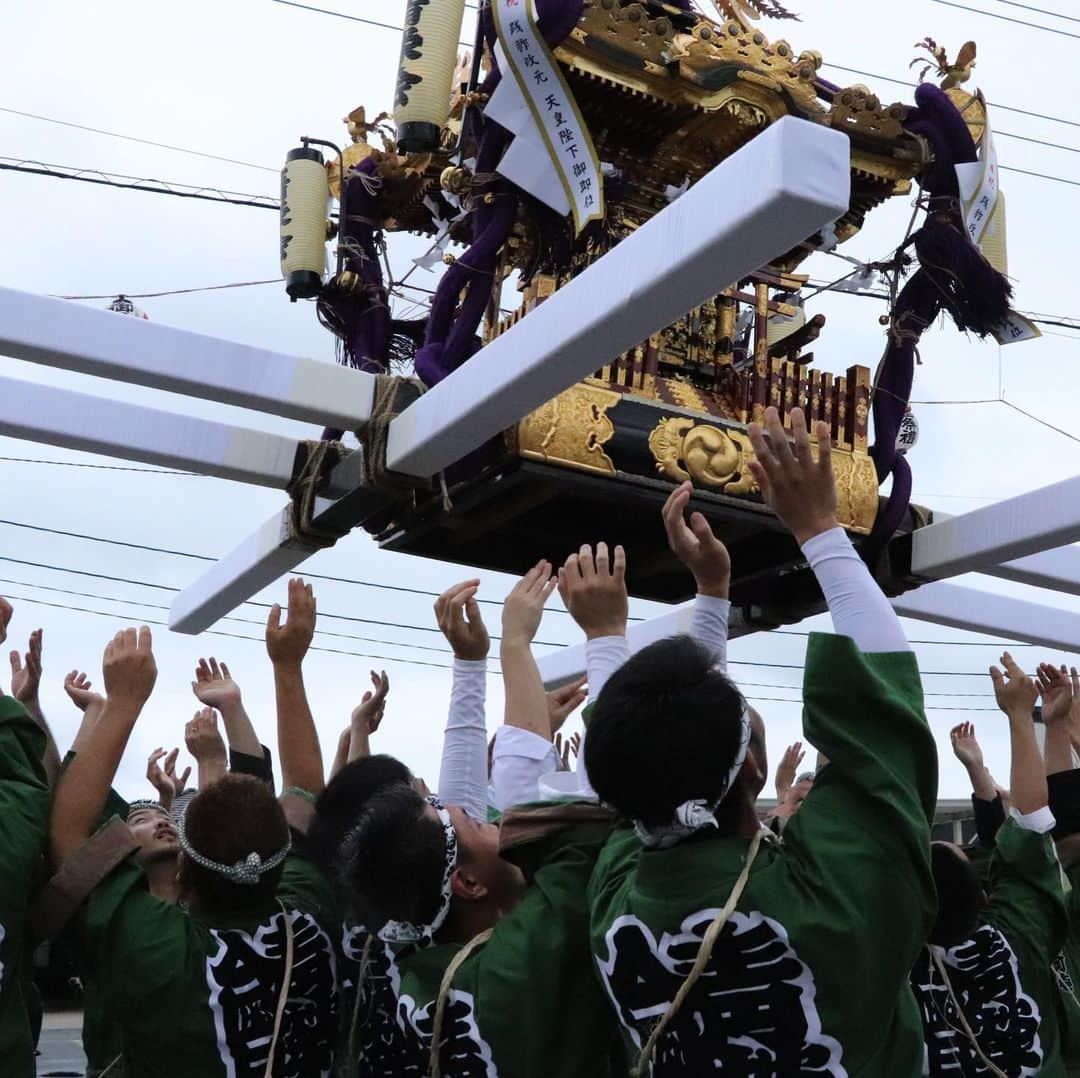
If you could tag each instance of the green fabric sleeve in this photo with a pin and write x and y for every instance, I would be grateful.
(304, 887)
(865, 827)
(1027, 901)
(135, 946)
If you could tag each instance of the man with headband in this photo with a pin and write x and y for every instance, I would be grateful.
(482, 931)
(719, 948)
(238, 979)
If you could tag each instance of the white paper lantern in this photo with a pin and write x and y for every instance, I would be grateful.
(908, 435)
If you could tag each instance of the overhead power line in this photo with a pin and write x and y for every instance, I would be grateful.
(1007, 18)
(177, 291)
(132, 138)
(356, 18)
(1038, 10)
(134, 183)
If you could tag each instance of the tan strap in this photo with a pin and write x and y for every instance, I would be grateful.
(361, 978)
(283, 995)
(966, 1029)
(712, 933)
(434, 1066)
(111, 1068)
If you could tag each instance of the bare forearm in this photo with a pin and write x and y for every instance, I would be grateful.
(212, 769)
(83, 787)
(526, 701)
(1028, 779)
(983, 785)
(359, 742)
(298, 742)
(1058, 748)
(239, 730)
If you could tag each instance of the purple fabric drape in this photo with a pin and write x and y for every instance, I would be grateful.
(466, 288)
(953, 275)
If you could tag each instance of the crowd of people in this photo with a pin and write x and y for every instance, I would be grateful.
(616, 905)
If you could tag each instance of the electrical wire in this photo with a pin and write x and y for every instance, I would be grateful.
(353, 18)
(1007, 18)
(132, 138)
(164, 187)
(1038, 10)
(177, 291)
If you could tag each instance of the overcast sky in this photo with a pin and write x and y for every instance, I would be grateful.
(245, 80)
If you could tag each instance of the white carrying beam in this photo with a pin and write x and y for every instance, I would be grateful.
(975, 611)
(1058, 570)
(71, 337)
(91, 424)
(790, 181)
(1004, 532)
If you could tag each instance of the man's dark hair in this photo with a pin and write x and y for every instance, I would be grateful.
(234, 817)
(665, 729)
(392, 863)
(960, 895)
(340, 804)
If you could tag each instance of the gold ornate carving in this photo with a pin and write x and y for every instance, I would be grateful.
(571, 430)
(719, 459)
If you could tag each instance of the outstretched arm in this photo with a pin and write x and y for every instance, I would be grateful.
(967, 750)
(463, 772)
(298, 741)
(1056, 689)
(204, 742)
(214, 686)
(25, 687)
(367, 717)
(1016, 695)
(130, 673)
(696, 546)
(802, 491)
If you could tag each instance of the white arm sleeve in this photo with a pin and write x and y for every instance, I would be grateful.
(518, 762)
(858, 606)
(463, 772)
(709, 627)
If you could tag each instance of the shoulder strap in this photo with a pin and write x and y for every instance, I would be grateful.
(712, 933)
(354, 1025)
(283, 995)
(966, 1028)
(434, 1066)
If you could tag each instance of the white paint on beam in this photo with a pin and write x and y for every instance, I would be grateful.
(783, 186)
(972, 610)
(1004, 532)
(1058, 570)
(68, 336)
(61, 417)
(265, 556)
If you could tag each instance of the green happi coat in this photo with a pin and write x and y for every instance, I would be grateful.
(1002, 974)
(1067, 975)
(24, 825)
(809, 976)
(527, 1003)
(196, 997)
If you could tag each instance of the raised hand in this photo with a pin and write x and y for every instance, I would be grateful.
(79, 687)
(288, 644)
(800, 489)
(214, 685)
(164, 779)
(368, 714)
(130, 670)
(562, 703)
(524, 606)
(1056, 690)
(965, 745)
(203, 738)
(567, 748)
(26, 678)
(1015, 692)
(593, 587)
(787, 769)
(696, 546)
(458, 615)
(6, 610)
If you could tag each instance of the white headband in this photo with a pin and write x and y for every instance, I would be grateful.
(693, 816)
(405, 931)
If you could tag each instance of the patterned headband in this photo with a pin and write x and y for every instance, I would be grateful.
(693, 816)
(247, 871)
(405, 931)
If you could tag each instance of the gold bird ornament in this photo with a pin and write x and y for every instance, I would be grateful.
(950, 74)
